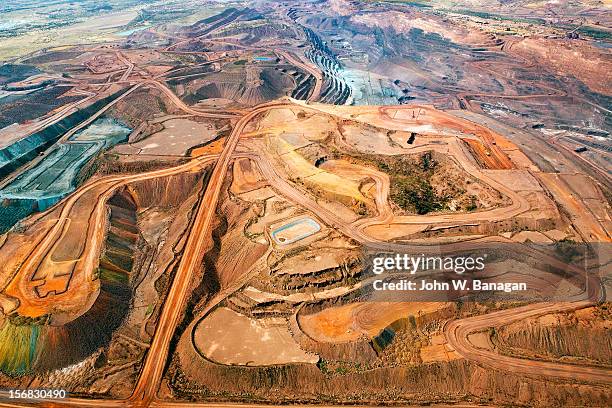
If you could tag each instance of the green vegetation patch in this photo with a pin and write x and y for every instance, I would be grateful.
(415, 195)
(595, 33)
(411, 182)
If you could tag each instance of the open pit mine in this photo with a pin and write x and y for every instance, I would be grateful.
(207, 203)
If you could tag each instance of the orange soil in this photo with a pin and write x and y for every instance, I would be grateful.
(215, 147)
(489, 158)
(246, 177)
(350, 322)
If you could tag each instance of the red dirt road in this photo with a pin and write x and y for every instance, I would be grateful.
(195, 247)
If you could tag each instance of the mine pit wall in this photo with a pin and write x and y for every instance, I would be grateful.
(364, 350)
(454, 381)
(386, 336)
(12, 211)
(360, 351)
(514, 224)
(36, 346)
(287, 284)
(305, 85)
(335, 90)
(164, 192)
(176, 196)
(567, 340)
(21, 152)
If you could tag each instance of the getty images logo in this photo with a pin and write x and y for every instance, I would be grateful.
(413, 264)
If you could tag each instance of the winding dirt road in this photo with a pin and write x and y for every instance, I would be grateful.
(457, 334)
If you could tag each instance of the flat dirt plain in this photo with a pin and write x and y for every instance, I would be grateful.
(191, 196)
